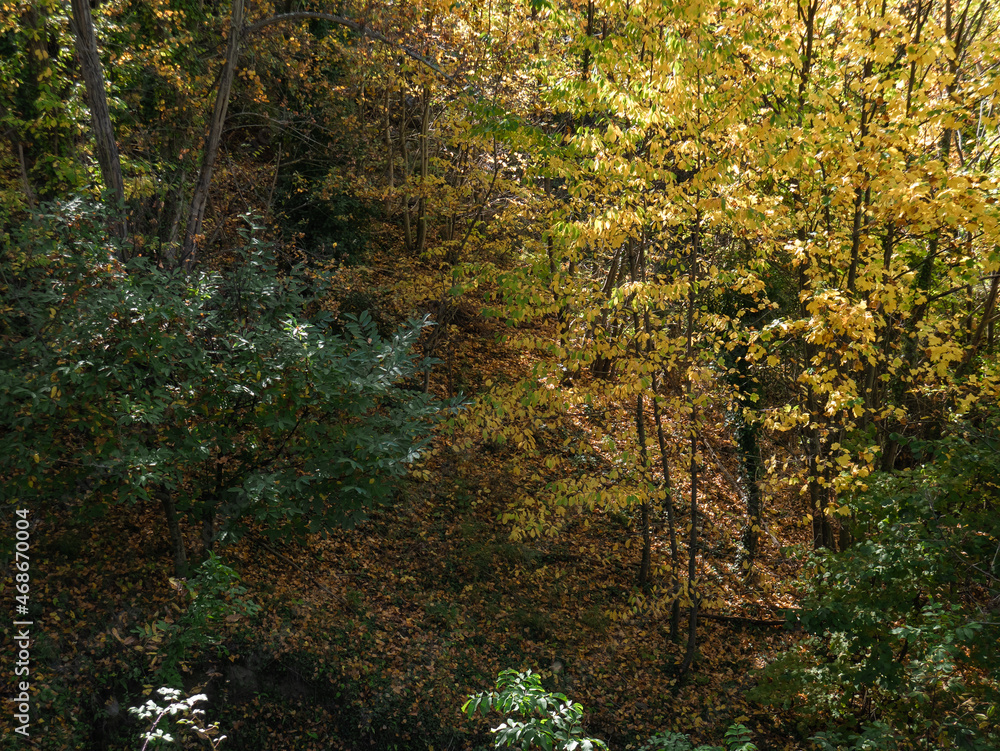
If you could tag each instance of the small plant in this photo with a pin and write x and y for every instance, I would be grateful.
(552, 722)
(737, 738)
(667, 741)
(190, 717)
(216, 596)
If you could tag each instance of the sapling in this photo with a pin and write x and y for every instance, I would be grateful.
(190, 717)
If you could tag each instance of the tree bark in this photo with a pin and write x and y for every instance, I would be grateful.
(199, 200)
(407, 229)
(647, 538)
(989, 306)
(424, 167)
(176, 538)
(692, 640)
(108, 158)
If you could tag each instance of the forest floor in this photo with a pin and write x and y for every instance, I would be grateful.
(373, 637)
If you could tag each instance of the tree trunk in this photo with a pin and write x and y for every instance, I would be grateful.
(668, 502)
(390, 153)
(108, 159)
(692, 640)
(407, 229)
(989, 306)
(585, 63)
(176, 539)
(748, 446)
(199, 200)
(637, 263)
(424, 168)
(647, 539)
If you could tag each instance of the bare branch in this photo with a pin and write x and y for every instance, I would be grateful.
(358, 26)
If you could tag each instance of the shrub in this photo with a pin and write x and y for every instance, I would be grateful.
(551, 722)
(211, 393)
(902, 650)
(186, 714)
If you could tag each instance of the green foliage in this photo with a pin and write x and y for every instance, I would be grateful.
(901, 643)
(737, 738)
(668, 741)
(189, 717)
(41, 107)
(216, 593)
(551, 721)
(124, 383)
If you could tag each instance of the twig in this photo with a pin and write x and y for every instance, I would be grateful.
(358, 26)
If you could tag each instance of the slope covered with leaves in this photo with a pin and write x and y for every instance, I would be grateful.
(712, 288)
(372, 637)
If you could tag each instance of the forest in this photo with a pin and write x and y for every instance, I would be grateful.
(551, 374)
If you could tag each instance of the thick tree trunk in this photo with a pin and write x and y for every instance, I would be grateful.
(108, 158)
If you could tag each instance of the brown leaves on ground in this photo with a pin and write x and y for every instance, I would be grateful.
(376, 635)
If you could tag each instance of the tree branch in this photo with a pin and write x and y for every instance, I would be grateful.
(358, 26)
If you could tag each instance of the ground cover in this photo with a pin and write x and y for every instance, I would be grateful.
(373, 637)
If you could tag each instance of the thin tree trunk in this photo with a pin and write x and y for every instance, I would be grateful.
(390, 153)
(424, 168)
(199, 200)
(988, 309)
(174, 529)
(585, 64)
(17, 152)
(637, 271)
(692, 637)
(407, 229)
(601, 366)
(647, 539)
(668, 502)
(748, 445)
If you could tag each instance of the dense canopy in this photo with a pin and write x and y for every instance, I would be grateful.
(354, 358)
